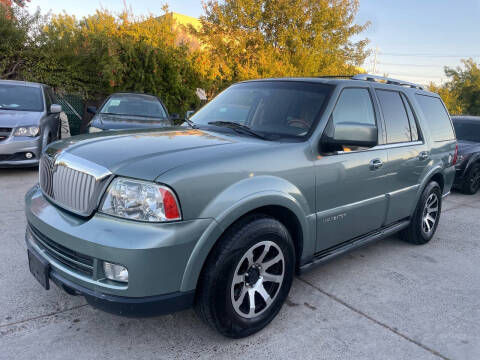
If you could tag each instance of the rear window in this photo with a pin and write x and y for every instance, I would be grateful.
(437, 118)
(467, 131)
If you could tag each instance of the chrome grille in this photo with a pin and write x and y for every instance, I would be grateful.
(73, 183)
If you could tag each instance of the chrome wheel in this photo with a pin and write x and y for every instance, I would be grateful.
(430, 214)
(257, 279)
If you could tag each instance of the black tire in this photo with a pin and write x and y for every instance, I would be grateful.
(416, 232)
(471, 184)
(214, 301)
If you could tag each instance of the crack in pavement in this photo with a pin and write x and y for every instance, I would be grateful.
(42, 316)
(361, 313)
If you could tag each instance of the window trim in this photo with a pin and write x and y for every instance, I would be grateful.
(415, 117)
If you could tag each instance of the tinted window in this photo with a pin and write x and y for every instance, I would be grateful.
(395, 115)
(354, 106)
(20, 97)
(281, 108)
(412, 118)
(134, 105)
(437, 118)
(467, 131)
(48, 99)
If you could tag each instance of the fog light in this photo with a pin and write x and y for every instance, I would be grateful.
(28, 155)
(115, 272)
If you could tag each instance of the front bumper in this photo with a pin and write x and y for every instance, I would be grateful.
(156, 255)
(12, 151)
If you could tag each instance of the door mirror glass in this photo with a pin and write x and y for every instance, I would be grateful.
(55, 108)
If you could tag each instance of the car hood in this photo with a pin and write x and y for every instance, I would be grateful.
(118, 122)
(146, 154)
(12, 118)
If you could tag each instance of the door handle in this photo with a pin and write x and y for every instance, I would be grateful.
(376, 164)
(424, 155)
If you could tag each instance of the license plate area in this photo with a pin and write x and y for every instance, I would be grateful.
(39, 268)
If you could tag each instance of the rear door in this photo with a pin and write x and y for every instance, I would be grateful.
(351, 182)
(408, 154)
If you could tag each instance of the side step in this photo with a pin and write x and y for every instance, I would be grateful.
(328, 254)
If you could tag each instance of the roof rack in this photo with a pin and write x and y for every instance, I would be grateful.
(376, 78)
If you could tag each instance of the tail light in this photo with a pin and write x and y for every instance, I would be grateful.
(455, 155)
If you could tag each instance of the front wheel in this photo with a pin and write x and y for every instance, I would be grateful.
(426, 217)
(247, 277)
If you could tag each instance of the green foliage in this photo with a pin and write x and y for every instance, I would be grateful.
(461, 94)
(253, 39)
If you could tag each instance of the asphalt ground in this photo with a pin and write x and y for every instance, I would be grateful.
(389, 300)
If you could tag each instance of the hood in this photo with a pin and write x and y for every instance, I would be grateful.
(119, 122)
(467, 147)
(146, 154)
(12, 118)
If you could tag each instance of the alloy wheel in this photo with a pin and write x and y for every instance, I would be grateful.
(430, 214)
(257, 279)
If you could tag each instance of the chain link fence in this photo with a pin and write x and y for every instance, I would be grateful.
(73, 106)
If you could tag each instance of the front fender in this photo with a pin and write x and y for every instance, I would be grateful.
(240, 199)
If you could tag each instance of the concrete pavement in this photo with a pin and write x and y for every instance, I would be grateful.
(389, 300)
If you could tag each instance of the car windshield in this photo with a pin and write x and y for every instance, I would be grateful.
(134, 105)
(467, 131)
(282, 108)
(20, 97)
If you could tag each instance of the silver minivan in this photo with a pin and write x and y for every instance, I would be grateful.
(29, 121)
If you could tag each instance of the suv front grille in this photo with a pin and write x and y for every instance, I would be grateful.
(73, 260)
(66, 183)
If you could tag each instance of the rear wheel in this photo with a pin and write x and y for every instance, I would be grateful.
(425, 219)
(247, 277)
(472, 181)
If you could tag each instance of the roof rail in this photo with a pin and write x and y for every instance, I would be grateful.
(376, 78)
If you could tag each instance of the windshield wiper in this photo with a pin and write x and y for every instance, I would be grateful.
(239, 128)
(191, 123)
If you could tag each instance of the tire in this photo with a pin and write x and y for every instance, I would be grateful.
(471, 184)
(421, 229)
(230, 277)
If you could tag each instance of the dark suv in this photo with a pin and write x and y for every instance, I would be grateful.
(270, 178)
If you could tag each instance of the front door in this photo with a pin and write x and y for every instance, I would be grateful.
(351, 184)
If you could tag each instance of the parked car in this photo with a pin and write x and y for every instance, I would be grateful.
(220, 214)
(29, 121)
(128, 111)
(467, 129)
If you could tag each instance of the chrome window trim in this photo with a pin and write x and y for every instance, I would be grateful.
(384, 146)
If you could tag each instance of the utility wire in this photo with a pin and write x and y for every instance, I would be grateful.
(430, 55)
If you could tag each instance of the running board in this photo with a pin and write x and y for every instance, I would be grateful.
(328, 254)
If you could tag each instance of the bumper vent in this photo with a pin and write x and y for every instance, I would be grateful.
(5, 133)
(72, 182)
(73, 260)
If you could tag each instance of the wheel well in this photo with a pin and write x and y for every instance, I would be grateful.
(439, 179)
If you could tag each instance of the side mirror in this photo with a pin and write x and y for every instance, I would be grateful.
(353, 134)
(189, 113)
(92, 110)
(55, 108)
(174, 116)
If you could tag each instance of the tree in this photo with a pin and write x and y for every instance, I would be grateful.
(9, 3)
(250, 38)
(465, 84)
(449, 97)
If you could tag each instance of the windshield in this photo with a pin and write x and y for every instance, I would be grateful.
(20, 97)
(134, 105)
(283, 108)
(467, 131)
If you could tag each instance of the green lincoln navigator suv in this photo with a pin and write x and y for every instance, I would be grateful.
(265, 181)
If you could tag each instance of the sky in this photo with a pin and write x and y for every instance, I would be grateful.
(413, 39)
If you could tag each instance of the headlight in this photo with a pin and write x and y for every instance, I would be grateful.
(93, 129)
(140, 200)
(30, 131)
